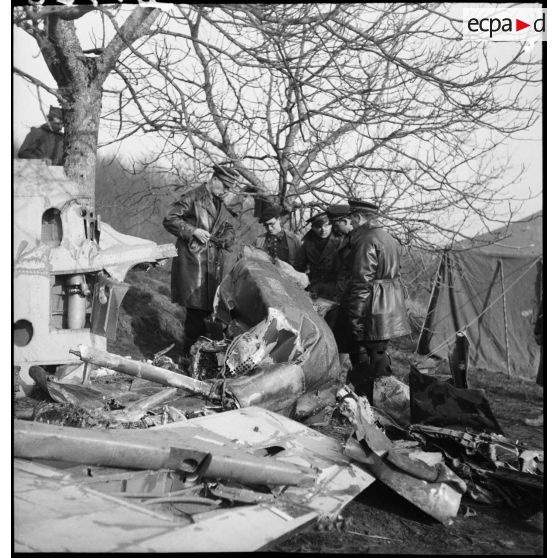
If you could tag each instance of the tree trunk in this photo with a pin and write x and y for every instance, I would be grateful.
(81, 133)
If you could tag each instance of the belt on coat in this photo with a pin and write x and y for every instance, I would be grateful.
(381, 281)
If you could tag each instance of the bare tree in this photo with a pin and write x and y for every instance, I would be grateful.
(317, 102)
(80, 73)
(313, 102)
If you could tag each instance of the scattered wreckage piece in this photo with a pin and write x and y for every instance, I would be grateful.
(392, 396)
(288, 350)
(496, 469)
(284, 359)
(142, 370)
(85, 509)
(439, 498)
(85, 397)
(419, 477)
(438, 403)
(136, 410)
(84, 405)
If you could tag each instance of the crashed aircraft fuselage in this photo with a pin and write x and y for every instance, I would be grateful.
(68, 268)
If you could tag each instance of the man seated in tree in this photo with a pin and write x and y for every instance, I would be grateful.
(318, 257)
(277, 242)
(46, 142)
(203, 226)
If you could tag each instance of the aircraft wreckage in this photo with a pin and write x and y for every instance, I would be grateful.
(216, 459)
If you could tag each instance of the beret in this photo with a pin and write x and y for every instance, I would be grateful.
(270, 212)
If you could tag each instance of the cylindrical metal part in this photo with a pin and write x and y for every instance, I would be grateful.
(34, 440)
(141, 370)
(76, 302)
(276, 387)
(145, 449)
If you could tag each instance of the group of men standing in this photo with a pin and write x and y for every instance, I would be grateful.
(348, 257)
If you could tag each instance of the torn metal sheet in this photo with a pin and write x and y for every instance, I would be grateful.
(361, 416)
(497, 470)
(85, 397)
(438, 498)
(137, 410)
(419, 477)
(56, 512)
(287, 338)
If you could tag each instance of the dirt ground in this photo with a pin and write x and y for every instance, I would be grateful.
(378, 521)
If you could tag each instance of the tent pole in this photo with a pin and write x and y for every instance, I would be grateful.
(435, 289)
(505, 316)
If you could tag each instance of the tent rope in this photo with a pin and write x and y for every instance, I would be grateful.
(447, 341)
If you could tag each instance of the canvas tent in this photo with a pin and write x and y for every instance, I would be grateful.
(490, 289)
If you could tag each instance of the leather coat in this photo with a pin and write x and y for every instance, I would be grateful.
(43, 143)
(198, 268)
(320, 262)
(374, 300)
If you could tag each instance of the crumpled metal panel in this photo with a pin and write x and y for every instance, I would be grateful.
(255, 290)
(59, 514)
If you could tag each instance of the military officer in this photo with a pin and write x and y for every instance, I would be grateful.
(276, 241)
(203, 226)
(318, 257)
(373, 299)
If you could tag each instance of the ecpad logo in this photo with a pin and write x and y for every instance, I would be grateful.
(504, 24)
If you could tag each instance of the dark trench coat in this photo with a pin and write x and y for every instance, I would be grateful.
(321, 264)
(198, 268)
(43, 143)
(374, 300)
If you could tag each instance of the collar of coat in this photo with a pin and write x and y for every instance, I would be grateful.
(46, 127)
(370, 223)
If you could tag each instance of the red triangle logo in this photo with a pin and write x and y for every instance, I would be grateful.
(519, 25)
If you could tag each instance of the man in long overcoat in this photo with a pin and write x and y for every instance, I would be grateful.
(318, 257)
(46, 142)
(276, 241)
(340, 219)
(374, 298)
(204, 228)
